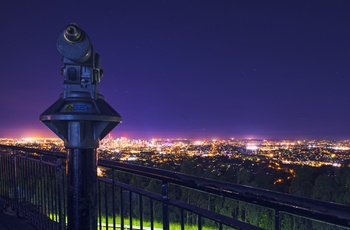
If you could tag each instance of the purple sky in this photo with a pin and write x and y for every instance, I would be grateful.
(182, 68)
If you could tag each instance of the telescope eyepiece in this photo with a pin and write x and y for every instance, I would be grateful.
(74, 44)
(73, 33)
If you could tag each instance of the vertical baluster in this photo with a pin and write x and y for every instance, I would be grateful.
(130, 208)
(31, 188)
(121, 209)
(26, 187)
(15, 182)
(64, 194)
(182, 220)
(36, 193)
(113, 199)
(52, 196)
(99, 203)
(19, 185)
(45, 196)
(49, 198)
(141, 211)
(106, 204)
(61, 216)
(2, 173)
(151, 211)
(199, 222)
(41, 207)
(2, 168)
(277, 219)
(165, 196)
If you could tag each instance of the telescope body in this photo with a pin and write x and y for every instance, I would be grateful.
(80, 117)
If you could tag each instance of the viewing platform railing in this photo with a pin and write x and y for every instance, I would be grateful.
(33, 185)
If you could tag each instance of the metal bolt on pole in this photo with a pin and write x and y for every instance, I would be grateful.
(81, 118)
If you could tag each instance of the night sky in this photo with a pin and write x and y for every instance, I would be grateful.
(182, 68)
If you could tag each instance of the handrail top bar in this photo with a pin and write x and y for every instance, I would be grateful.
(31, 150)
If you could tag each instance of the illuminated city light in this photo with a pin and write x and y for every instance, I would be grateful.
(99, 171)
(343, 148)
(252, 147)
(198, 143)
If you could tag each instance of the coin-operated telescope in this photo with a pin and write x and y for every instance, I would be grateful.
(81, 118)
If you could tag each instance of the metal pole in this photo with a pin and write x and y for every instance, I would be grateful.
(15, 182)
(59, 198)
(82, 189)
(277, 219)
(165, 195)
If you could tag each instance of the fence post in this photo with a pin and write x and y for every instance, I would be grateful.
(277, 219)
(165, 195)
(61, 217)
(15, 182)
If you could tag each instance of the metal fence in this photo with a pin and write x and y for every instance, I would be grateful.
(32, 185)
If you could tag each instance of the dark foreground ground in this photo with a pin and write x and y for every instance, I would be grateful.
(9, 221)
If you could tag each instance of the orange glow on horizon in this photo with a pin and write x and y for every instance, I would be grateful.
(30, 133)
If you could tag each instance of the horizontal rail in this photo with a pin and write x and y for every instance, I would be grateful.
(38, 151)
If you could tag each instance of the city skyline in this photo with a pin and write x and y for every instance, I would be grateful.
(287, 152)
(188, 69)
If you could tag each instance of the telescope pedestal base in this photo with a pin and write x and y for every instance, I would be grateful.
(82, 189)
